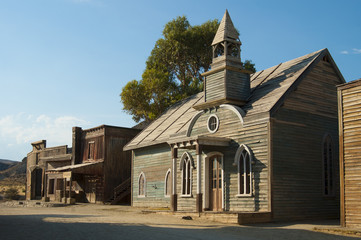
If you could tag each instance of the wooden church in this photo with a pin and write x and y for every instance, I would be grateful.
(263, 145)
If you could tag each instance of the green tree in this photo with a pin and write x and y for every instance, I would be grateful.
(173, 69)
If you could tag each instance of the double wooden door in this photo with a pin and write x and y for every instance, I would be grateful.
(215, 183)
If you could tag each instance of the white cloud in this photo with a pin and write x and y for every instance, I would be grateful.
(18, 131)
(356, 51)
(353, 51)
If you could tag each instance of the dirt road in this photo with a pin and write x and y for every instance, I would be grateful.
(122, 222)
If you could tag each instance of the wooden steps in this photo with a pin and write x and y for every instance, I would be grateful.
(120, 192)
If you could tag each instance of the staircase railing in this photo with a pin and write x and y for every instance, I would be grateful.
(124, 187)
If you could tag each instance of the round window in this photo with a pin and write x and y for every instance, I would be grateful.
(213, 123)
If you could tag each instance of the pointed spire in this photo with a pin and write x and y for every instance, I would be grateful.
(225, 30)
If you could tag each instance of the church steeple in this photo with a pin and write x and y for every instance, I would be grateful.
(227, 82)
(226, 45)
(226, 30)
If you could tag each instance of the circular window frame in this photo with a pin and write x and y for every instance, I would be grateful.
(217, 123)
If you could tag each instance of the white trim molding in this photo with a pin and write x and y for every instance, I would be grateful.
(237, 158)
(144, 187)
(167, 174)
(217, 123)
(237, 110)
(187, 160)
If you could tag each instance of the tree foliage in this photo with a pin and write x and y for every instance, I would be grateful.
(173, 69)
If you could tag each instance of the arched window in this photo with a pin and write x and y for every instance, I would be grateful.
(168, 184)
(243, 160)
(141, 184)
(328, 166)
(186, 166)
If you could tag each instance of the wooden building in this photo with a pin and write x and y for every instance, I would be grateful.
(39, 160)
(98, 170)
(262, 145)
(349, 101)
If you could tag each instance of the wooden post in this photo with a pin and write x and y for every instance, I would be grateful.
(341, 160)
(174, 179)
(70, 186)
(199, 179)
(47, 187)
(64, 189)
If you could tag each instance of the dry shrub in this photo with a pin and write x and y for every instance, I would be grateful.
(12, 194)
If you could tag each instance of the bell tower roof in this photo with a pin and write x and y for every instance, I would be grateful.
(226, 30)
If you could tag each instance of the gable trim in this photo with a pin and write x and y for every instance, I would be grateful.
(237, 110)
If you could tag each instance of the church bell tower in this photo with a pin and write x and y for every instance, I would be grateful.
(227, 81)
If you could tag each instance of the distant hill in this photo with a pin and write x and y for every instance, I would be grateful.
(5, 164)
(15, 173)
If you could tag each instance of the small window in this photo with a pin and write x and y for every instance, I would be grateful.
(168, 184)
(141, 184)
(91, 150)
(244, 172)
(213, 123)
(328, 167)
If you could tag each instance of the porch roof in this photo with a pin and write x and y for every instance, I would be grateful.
(184, 142)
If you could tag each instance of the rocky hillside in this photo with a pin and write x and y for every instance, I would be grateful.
(5, 164)
(16, 173)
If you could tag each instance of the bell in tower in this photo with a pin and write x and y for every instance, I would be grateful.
(227, 81)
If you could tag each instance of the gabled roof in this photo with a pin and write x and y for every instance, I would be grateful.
(269, 88)
(226, 30)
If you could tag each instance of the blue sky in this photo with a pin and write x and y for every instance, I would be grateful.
(63, 63)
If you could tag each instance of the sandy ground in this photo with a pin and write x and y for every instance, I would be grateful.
(105, 222)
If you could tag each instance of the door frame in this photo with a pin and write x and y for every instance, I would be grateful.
(206, 185)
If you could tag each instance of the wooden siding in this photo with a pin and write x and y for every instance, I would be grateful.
(298, 129)
(154, 162)
(238, 85)
(117, 165)
(215, 86)
(350, 137)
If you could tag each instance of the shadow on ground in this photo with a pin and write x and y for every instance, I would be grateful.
(58, 227)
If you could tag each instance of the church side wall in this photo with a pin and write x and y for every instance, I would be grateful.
(298, 130)
(154, 162)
